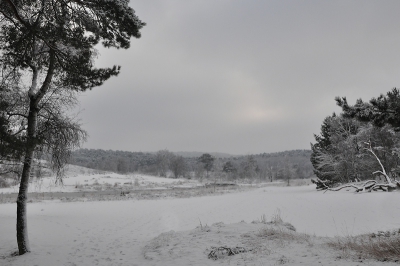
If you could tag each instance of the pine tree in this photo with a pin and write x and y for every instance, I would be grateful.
(380, 111)
(53, 43)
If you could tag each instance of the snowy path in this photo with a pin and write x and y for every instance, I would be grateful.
(113, 233)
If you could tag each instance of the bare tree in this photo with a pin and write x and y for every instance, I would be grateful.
(208, 162)
(248, 167)
(178, 166)
(163, 160)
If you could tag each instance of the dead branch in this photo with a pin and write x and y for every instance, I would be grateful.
(383, 172)
(220, 252)
(369, 185)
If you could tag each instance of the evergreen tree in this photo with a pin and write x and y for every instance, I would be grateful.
(322, 145)
(52, 42)
(335, 153)
(380, 111)
(348, 149)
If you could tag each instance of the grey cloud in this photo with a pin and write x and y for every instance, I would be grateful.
(241, 76)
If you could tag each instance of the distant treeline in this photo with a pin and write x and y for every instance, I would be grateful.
(266, 166)
(115, 161)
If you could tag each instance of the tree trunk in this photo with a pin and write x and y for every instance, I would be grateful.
(30, 145)
(22, 227)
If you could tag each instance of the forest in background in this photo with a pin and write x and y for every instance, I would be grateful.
(286, 165)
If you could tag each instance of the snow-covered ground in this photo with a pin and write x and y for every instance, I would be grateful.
(117, 232)
(83, 179)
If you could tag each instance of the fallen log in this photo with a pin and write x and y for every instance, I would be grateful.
(369, 185)
(322, 184)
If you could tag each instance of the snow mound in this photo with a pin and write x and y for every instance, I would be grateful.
(242, 244)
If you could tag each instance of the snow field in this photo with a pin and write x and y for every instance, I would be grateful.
(83, 179)
(115, 232)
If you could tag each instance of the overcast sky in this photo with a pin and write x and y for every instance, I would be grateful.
(241, 77)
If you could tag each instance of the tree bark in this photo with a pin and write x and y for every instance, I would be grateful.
(31, 142)
(22, 227)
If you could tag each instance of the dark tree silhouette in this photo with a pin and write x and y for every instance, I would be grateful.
(52, 42)
(380, 111)
(208, 161)
(178, 166)
(358, 142)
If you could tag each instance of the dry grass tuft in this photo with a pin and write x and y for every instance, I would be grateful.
(277, 220)
(281, 232)
(382, 248)
(275, 233)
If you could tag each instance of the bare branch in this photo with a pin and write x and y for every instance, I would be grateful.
(16, 114)
(379, 161)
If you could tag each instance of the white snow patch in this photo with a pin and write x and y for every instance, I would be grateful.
(84, 179)
(115, 233)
